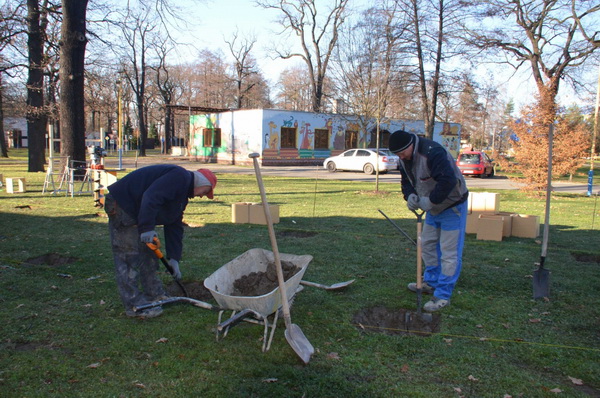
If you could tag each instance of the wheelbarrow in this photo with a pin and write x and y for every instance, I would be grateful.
(253, 309)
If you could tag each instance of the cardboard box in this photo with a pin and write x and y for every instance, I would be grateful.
(525, 226)
(484, 202)
(472, 222)
(240, 212)
(252, 213)
(257, 214)
(490, 227)
(508, 220)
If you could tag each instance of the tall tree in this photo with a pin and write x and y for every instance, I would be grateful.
(434, 27)
(72, 67)
(10, 29)
(553, 38)
(318, 37)
(244, 66)
(36, 114)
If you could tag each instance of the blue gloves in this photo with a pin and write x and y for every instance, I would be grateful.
(175, 267)
(412, 202)
(424, 203)
(148, 237)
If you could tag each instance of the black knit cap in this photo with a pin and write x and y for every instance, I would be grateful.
(400, 140)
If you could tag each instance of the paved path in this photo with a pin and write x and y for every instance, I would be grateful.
(318, 172)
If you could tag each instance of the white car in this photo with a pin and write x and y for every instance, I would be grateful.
(362, 160)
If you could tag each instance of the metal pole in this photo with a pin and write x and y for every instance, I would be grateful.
(120, 128)
(594, 135)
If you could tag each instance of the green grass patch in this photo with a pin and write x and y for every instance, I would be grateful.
(64, 332)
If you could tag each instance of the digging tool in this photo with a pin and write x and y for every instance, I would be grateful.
(335, 286)
(293, 334)
(155, 247)
(171, 300)
(398, 228)
(541, 276)
(427, 318)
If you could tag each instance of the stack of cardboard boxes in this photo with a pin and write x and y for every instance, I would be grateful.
(252, 213)
(487, 221)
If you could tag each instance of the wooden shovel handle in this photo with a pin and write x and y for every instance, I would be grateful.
(284, 300)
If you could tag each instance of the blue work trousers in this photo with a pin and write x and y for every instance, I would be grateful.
(442, 242)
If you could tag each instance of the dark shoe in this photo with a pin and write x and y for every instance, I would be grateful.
(425, 288)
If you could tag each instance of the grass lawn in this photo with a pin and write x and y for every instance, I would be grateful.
(64, 332)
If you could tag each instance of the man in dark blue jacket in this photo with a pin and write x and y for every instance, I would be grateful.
(137, 203)
(432, 182)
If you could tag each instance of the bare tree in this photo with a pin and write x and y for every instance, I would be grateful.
(10, 28)
(553, 38)
(294, 90)
(434, 26)
(367, 63)
(318, 37)
(167, 86)
(37, 19)
(244, 65)
(72, 61)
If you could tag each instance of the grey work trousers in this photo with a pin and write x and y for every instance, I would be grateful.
(136, 265)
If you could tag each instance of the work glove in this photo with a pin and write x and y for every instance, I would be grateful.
(424, 203)
(174, 264)
(412, 202)
(148, 237)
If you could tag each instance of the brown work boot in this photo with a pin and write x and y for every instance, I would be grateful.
(425, 288)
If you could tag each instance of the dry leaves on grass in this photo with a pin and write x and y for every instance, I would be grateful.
(577, 382)
(162, 340)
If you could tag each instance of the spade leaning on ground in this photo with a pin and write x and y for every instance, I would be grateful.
(136, 204)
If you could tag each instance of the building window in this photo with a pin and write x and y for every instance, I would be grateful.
(321, 139)
(288, 137)
(212, 137)
(351, 139)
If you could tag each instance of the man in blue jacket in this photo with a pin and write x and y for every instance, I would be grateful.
(137, 203)
(432, 182)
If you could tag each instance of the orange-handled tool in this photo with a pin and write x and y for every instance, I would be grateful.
(155, 247)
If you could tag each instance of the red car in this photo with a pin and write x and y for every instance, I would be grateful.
(475, 163)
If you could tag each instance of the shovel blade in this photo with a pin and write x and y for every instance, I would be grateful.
(541, 283)
(299, 343)
(340, 285)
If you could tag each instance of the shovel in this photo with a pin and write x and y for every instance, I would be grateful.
(335, 286)
(398, 228)
(541, 276)
(426, 318)
(293, 334)
(155, 248)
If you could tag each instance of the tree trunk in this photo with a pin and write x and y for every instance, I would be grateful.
(36, 115)
(142, 123)
(3, 145)
(72, 56)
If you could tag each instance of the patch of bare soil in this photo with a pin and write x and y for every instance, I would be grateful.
(259, 283)
(51, 259)
(586, 258)
(395, 322)
(296, 234)
(195, 290)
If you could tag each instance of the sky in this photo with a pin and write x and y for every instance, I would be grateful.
(217, 20)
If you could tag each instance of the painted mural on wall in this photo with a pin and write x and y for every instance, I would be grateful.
(314, 136)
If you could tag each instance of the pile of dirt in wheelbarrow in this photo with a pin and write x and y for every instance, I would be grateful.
(259, 283)
(253, 284)
(395, 321)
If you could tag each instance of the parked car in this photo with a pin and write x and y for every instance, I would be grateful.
(362, 160)
(475, 163)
